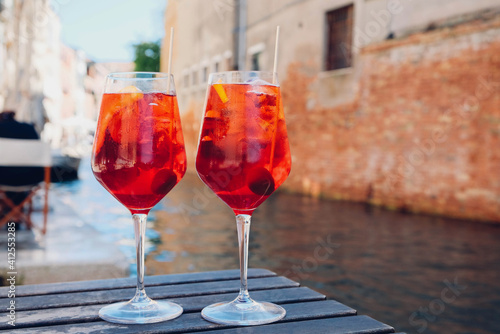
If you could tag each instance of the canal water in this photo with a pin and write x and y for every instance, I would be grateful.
(417, 273)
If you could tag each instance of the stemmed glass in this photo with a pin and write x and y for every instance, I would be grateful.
(243, 156)
(138, 156)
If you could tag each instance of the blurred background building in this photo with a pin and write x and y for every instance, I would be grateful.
(47, 83)
(28, 58)
(389, 102)
(392, 102)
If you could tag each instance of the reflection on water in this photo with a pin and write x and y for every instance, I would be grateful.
(419, 274)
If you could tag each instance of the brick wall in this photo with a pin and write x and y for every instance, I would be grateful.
(422, 133)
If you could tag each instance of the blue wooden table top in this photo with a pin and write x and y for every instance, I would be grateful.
(73, 307)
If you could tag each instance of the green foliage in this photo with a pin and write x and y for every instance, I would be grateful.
(147, 56)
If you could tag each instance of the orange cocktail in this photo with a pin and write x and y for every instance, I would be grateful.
(243, 156)
(140, 156)
(243, 153)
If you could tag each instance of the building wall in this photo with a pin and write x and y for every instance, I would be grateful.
(203, 37)
(421, 134)
(365, 133)
(29, 56)
(47, 83)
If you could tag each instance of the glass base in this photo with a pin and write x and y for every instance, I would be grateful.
(243, 313)
(146, 312)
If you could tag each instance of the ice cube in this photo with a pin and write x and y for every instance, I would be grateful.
(215, 126)
(160, 105)
(258, 82)
(117, 179)
(123, 126)
(252, 149)
(261, 99)
(130, 95)
(209, 150)
(265, 125)
(130, 89)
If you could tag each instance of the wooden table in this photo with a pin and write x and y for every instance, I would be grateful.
(72, 307)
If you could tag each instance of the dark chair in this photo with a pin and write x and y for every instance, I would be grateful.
(18, 155)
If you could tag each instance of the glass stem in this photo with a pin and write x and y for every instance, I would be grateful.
(243, 224)
(140, 233)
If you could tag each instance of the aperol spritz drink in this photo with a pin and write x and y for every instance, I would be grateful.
(243, 156)
(138, 156)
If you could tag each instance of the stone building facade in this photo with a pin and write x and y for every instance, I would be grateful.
(47, 83)
(29, 58)
(40, 78)
(391, 102)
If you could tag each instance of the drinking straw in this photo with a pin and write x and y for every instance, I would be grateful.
(275, 68)
(275, 82)
(172, 122)
(170, 57)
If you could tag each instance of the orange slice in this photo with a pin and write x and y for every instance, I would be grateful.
(121, 102)
(212, 113)
(136, 93)
(222, 93)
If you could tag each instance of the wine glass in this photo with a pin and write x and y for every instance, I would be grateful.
(243, 156)
(138, 156)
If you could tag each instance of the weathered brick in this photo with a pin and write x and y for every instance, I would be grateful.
(423, 133)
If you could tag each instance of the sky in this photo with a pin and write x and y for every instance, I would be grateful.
(107, 29)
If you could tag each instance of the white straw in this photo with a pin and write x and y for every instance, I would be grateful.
(275, 68)
(170, 57)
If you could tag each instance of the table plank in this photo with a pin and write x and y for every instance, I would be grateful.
(352, 325)
(130, 282)
(60, 316)
(73, 307)
(155, 292)
(192, 322)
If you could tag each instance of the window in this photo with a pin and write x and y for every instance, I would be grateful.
(339, 38)
(255, 53)
(205, 74)
(227, 63)
(255, 62)
(194, 77)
